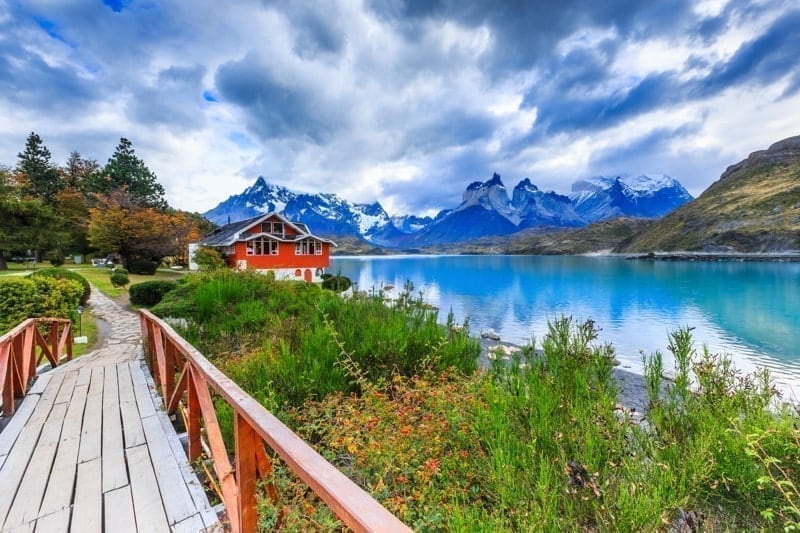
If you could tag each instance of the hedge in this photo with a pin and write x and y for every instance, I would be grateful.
(63, 273)
(147, 268)
(37, 296)
(150, 293)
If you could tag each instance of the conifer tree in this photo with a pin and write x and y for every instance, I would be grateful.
(125, 170)
(40, 178)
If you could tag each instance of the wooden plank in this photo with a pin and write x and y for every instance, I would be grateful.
(193, 524)
(57, 522)
(144, 398)
(131, 421)
(91, 432)
(195, 487)
(87, 512)
(40, 384)
(10, 433)
(32, 487)
(115, 473)
(147, 505)
(119, 516)
(67, 386)
(178, 502)
(84, 375)
(59, 491)
(17, 460)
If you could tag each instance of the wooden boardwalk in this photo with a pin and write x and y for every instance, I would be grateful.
(90, 449)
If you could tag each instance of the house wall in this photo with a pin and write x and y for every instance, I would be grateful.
(286, 258)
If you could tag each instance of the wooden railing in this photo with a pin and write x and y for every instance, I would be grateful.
(19, 358)
(187, 380)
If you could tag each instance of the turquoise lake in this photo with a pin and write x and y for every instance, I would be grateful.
(747, 310)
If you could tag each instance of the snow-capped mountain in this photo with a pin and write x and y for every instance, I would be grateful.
(645, 196)
(326, 214)
(411, 223)
(486, 209)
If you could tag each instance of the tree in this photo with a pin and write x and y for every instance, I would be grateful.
(79, 172)
(25, 223)
(118, 224)
(39, 176)
(125, 170)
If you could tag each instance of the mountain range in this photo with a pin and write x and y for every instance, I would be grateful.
(486, 210)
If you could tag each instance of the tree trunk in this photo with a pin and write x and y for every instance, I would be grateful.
(3, 265)
(37, 255)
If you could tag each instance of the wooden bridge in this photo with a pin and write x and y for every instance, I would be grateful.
(91, 445)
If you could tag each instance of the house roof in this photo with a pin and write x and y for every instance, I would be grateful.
(230, 233)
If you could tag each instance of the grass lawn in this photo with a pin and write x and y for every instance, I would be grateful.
(88, 328)
(17, 269)
(99, 278)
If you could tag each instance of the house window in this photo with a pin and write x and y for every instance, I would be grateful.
(273, 228)
(308, 248)
(262, 246)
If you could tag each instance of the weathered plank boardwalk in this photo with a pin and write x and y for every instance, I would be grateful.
(90, 449)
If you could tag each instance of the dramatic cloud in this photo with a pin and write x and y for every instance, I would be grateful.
(404, 102)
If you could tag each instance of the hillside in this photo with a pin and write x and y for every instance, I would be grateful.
(753, 207)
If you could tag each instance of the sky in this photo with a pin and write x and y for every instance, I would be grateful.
(403, 102)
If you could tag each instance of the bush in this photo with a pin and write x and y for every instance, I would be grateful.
(209, 258)
(150, 293)
(119, 278)
(63, 273)
(37, 296)
(337, 283)
(56, 258)
(146, 268)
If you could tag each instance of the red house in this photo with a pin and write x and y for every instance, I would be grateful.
(271, 243)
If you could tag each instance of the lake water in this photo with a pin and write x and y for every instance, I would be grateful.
(747, 310)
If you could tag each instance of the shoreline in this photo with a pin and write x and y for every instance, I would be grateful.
(787, 257)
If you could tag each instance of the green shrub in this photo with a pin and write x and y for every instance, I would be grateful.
(150, 293)
(63, 273)
(118, 270)
(208, 258)
(37, 296)
(56, 258)
(337, 283)
(119, 279)
(146, 268)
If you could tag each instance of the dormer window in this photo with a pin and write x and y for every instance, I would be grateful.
(273, 228)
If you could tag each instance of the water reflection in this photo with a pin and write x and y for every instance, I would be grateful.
(747, 310)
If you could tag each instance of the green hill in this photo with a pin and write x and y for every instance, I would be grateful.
(753, 207)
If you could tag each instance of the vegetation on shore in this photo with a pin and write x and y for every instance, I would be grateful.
(538, 442)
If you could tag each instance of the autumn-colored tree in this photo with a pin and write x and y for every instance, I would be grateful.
(79, 172)
(72, 209)
(119, 224)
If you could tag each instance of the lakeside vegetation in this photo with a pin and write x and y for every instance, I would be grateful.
(539, 442)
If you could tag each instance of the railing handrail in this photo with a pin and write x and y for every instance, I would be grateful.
(354, 506)
(18, 358)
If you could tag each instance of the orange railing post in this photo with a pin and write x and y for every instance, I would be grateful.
(18, 358)
(254, 427)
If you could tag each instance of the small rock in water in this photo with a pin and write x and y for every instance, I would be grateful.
(490, 334)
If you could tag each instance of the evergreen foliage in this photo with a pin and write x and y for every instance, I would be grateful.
(125, 170)
(150, 293)
(40, 177)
